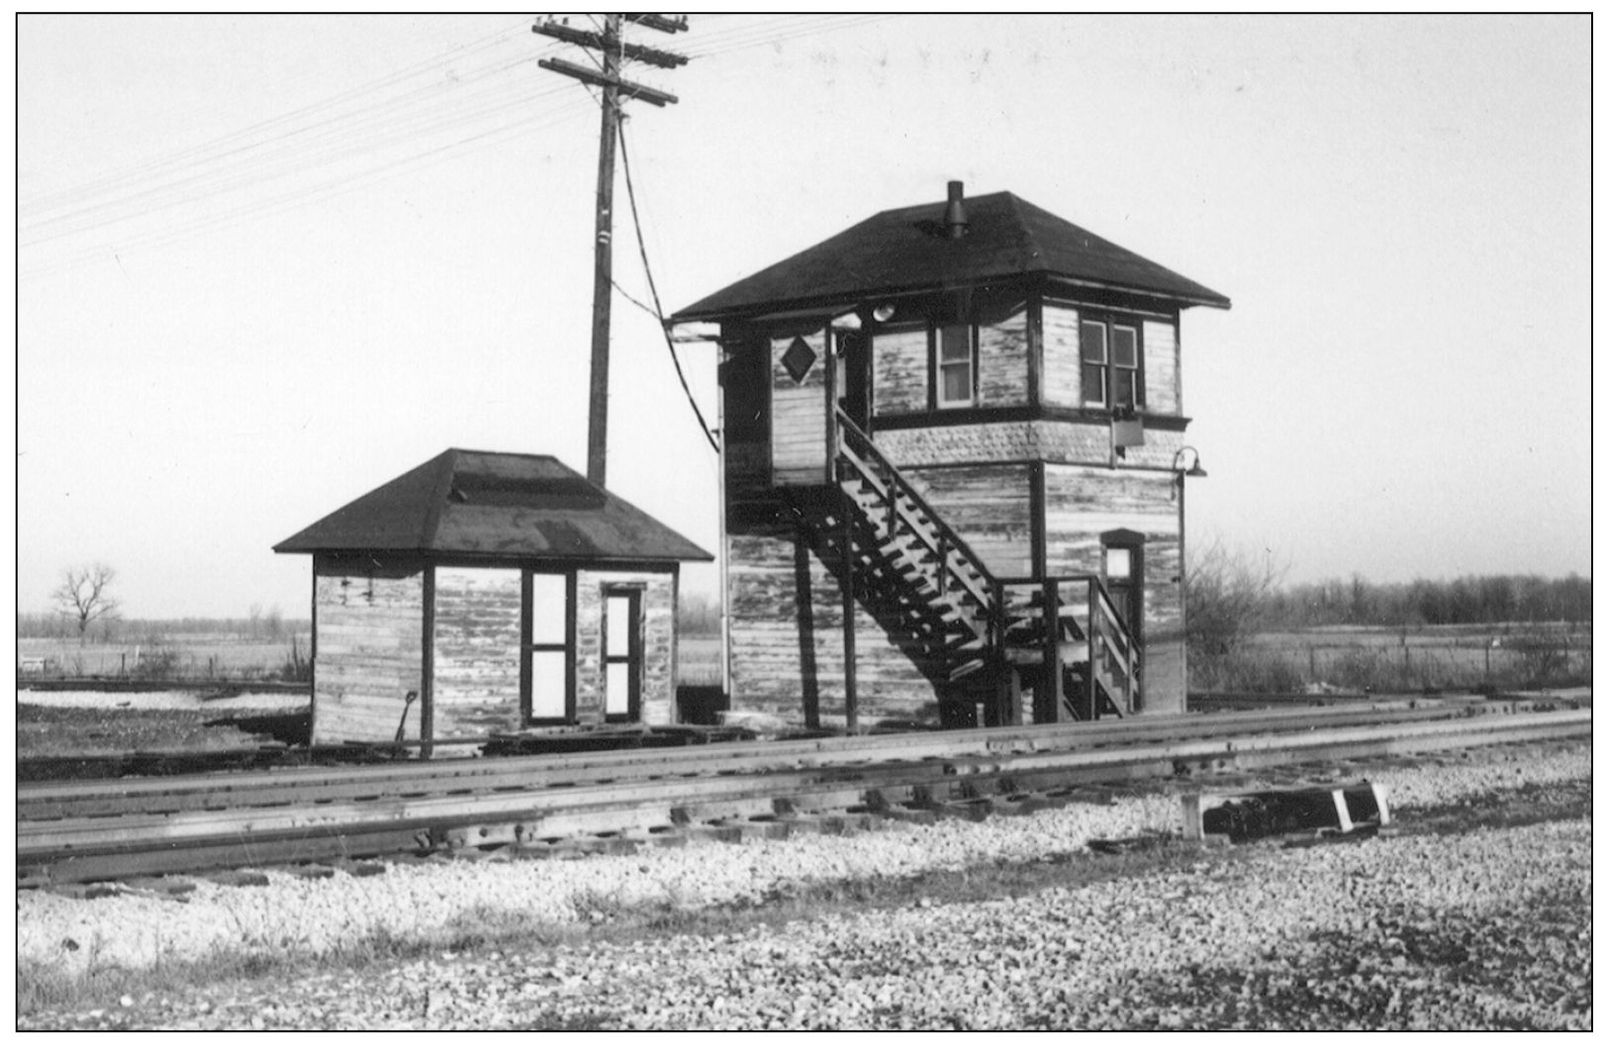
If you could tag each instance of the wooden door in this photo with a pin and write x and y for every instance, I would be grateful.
(853, 375)
(1124, 578)
(622, 655)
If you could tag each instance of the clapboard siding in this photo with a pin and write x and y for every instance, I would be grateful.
(1062, 374)
(798, 414)
(787, 645)
(1002, 361)
(658, 642)
(1082, 503)
(1162, 390)
(370, 649)
(899, 371)
(477, 639)
(988, 506)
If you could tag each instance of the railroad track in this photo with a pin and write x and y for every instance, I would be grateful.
(110, 829)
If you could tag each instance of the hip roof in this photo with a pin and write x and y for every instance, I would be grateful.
(904, 250)
(495, 504)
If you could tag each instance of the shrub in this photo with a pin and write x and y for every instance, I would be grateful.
(1228, 600)
(1248, 670)
(296, 667)
(160, 662)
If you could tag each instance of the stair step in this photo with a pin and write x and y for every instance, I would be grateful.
(966, 669)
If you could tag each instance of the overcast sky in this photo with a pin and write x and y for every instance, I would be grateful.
(269, 263)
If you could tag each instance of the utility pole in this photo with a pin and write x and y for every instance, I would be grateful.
(610, 42)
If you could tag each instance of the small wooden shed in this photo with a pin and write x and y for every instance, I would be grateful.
(483, 592)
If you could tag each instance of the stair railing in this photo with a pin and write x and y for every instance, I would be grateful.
(1115, 643)
(1111, 648)
(1108, 637)
(957, 563)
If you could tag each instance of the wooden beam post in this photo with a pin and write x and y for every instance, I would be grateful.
(1055, 680)
(850, 652)
(426, 700)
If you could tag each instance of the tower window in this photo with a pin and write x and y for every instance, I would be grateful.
(1110, 365)
(956, 366)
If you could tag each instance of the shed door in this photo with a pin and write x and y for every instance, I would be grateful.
(622, 656)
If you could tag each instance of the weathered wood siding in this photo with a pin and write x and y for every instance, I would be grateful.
(798, 449)
(1162, 390)
(477, 651)
(787, 638)
(1062, 372)
(988, 506)
(658, 642)
(1002, 360)
(1084, 502)
(370, 647)
(899, 371)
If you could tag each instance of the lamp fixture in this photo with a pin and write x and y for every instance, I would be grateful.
(883, 312)
(1195, 470)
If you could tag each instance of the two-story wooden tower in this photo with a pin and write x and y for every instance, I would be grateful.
(953, 444)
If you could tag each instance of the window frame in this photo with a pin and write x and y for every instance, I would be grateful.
(938, 365)
(529, 647)
(1108, 366)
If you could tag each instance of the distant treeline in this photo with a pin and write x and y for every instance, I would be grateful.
(270, 624)
(699, 614)
(1484, 600)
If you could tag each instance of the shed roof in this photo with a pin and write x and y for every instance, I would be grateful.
(903, 250)
(495, 504)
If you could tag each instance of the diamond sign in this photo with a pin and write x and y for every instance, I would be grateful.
(799, 359)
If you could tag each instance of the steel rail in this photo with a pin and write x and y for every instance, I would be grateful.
(88, 849)
(55, 800)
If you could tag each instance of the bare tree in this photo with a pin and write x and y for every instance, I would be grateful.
(84, 597)
(1229, 598)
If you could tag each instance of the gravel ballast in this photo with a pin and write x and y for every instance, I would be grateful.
(1460, 930)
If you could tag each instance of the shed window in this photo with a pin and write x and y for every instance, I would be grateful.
(1110, 358)
(548, 697)
(956, 366)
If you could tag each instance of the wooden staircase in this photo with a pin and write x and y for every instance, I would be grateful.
(998, 651)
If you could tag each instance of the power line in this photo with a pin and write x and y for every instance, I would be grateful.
(337, 143)
(658, 307)
(476, 95)
(123, 175)
(300, 196)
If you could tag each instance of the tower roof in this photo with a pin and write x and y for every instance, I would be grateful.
(908, 250)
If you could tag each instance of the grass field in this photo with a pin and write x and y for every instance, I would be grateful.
(1404, 659)
(698, 662)
(209, 655)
